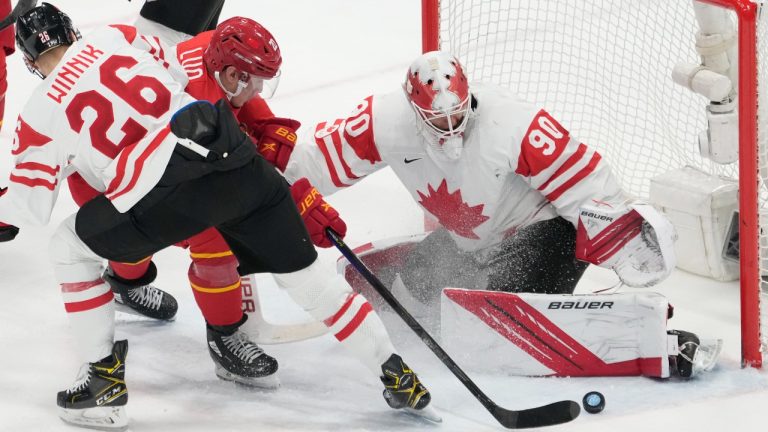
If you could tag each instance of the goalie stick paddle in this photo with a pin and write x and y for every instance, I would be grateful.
(547, 415)
(264, 332)
(21, 7)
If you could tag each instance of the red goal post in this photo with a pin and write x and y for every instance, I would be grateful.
(603, 67)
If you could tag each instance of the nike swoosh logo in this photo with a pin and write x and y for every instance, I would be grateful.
(406, 160)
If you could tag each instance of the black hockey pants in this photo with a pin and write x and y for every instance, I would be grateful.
(251, 206)
(539, 258)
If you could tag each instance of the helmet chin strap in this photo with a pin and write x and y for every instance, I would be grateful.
(240, 86)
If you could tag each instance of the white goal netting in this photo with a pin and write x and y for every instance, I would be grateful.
(603, 67)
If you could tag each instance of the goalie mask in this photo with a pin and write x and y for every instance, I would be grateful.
(248, 47)
(42, 29)
(438, 91)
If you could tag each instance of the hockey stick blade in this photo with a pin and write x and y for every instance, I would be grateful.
(264, 332)
(21, 8)
(547, 415)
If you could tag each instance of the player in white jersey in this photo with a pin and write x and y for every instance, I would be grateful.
(523, 205)
(165, 164)
(504, 179)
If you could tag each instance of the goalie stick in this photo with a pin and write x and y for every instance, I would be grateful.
(547, 415)
(264, 332)
(21, 7)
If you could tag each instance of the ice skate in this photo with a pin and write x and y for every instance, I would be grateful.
(140, 297)
(694, 355)
(98, 397)
(404, 391)
(238, 359)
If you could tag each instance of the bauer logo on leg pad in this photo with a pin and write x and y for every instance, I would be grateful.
(580, 305)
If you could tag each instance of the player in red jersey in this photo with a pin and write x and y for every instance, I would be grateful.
(7, 47)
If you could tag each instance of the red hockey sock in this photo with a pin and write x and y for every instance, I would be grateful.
(130, 271)
(216, 287)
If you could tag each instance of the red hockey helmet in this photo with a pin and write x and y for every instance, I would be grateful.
(246, 45)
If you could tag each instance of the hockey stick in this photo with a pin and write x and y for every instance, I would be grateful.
(547, 415)
(21, 8)
(264, 332)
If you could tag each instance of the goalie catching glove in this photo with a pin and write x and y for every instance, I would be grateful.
(316, 213)
(275, 139)
(635, 241)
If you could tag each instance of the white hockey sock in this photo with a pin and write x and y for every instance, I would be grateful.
(360, 330)
(87, 298)
(354, 323)
(91, 314)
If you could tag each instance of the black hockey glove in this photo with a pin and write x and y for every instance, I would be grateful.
(7, 232)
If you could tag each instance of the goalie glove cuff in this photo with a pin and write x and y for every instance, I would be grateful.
(636, 241)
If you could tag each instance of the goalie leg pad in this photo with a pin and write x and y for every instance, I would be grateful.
(561, 335)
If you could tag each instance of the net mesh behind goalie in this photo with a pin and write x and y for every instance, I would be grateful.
(604, 68)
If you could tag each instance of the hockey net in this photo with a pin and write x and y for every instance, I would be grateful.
(604, 68)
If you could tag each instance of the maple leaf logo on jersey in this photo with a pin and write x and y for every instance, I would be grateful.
(27, 137)
(451, 210)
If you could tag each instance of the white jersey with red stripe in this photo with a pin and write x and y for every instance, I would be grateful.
(518, 165)
(103, 112)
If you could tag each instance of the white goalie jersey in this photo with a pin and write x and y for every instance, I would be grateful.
(518, 165)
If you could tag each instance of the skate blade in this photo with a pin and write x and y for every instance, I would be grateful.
(120, 307)
(99, 418)
(269, 382)
(427, 413)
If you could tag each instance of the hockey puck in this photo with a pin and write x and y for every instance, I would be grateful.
(593, 402)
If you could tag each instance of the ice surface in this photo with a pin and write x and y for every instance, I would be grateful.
(335, 53)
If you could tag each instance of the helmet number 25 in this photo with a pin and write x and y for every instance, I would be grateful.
(133, 91)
